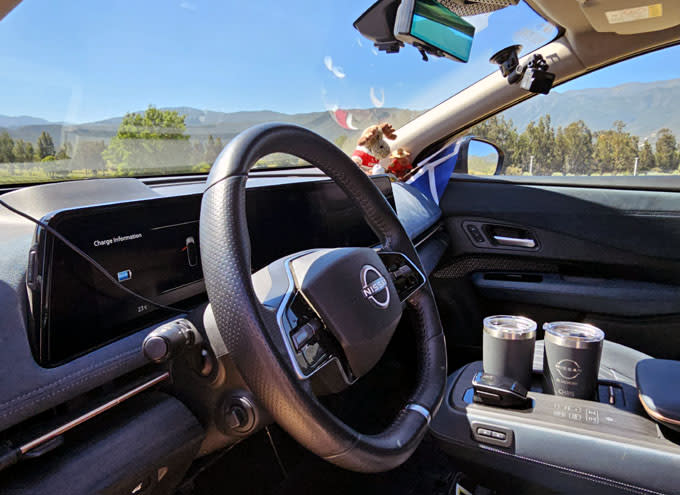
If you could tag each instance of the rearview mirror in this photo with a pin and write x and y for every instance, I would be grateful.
(426, 24)
(434, 29)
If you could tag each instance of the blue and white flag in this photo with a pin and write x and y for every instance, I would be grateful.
(435, 171)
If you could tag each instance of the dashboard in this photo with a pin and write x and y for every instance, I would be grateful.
(152, 247)
(67, 333)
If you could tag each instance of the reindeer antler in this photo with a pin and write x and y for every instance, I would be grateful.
(388, 131)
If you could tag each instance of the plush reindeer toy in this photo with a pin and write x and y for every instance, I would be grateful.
(372, 147)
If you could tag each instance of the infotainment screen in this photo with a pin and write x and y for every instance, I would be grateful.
(153, 248)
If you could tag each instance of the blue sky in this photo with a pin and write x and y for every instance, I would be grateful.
(82, 60)
(656, 66)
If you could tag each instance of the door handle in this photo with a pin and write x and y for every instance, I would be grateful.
(514, 241)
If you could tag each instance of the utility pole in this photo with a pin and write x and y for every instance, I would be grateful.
(531, 165)
(635, 166)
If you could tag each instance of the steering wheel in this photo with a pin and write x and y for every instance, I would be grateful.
(325, 311)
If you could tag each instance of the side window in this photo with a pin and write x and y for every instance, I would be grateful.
(620, 120)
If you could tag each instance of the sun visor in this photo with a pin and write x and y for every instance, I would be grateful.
(631, 16)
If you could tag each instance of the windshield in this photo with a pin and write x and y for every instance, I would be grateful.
(155, 87)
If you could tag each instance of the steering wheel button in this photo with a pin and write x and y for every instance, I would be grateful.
(301, 337)
(304, 334)
(313, 354)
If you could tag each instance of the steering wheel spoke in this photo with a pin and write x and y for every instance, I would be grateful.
(312, 345)
(405, 274)
(296, 325)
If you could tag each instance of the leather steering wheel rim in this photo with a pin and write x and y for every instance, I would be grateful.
(241, 320)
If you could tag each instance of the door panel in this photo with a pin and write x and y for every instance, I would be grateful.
(606, 256)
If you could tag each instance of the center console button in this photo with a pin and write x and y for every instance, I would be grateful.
(499, 435)
(484, 432)
(492, 434)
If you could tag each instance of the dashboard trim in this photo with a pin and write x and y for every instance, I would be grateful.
(436, 228)
(27, 447)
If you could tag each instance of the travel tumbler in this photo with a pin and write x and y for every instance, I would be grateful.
(508, 347)
(572, 359)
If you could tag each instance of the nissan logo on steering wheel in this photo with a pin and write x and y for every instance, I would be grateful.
(374, 286)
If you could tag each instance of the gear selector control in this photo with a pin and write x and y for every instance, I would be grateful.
(499, 391)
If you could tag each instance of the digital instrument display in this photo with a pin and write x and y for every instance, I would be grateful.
(153, 248)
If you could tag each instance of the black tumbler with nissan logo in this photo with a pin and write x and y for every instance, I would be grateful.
(572, 359)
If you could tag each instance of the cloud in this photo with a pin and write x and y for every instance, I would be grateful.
(334, 69)
(359, 42)
(189, 6)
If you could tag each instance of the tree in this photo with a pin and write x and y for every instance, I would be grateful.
(64, 152)
(538, 140)
(23, 151)
(341, 140)
(575, 146)
(647, 161)
(88, 156)
(45, 145)
(201, 168)
(6, 148)
(666, 151)
(150, 140)
(49, 165)
(197, 152)
(503, 133)
(212, 149)
(615, 150)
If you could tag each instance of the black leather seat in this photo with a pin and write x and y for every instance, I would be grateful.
(617, 364)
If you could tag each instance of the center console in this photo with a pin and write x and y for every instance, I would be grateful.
(572, 445)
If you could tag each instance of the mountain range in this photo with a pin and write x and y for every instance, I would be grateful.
(201, 124)
(20, 121)
(644, 107)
